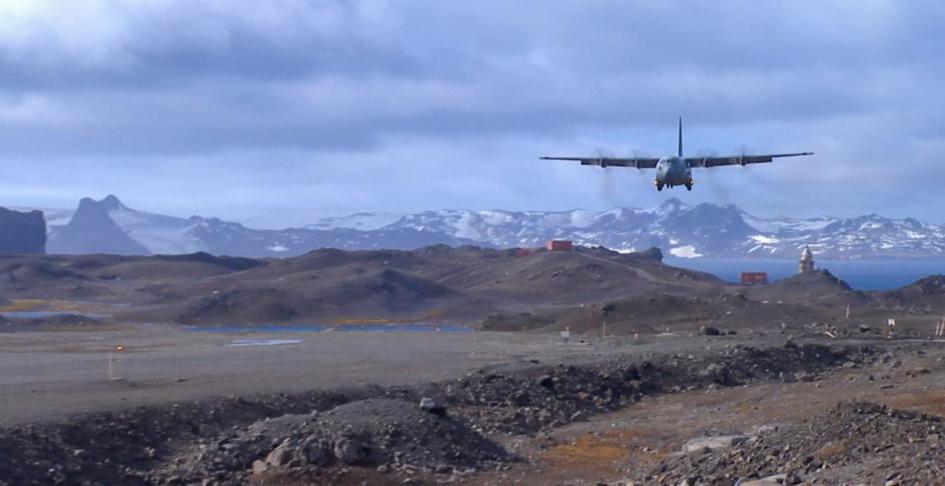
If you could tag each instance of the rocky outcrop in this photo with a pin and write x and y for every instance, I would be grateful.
(22, 232)
(92, 230)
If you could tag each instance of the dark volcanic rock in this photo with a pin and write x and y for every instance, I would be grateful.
(22, 232)
(376, 432)
(525, 402)
(433, 406)
(855, 443)
(710, 331)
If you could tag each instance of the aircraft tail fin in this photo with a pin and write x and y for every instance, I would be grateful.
(679, 148)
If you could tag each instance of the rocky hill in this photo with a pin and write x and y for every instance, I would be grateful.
(511, 289)
(22, 232)
(434, 282)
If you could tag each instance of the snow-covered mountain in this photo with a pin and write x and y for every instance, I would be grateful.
(704, 230)
(108, 226)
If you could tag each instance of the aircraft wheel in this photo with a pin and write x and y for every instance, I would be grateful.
(688, 187)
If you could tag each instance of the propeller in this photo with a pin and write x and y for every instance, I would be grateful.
(608, 189)
(706, 153)
(743, 152)
(640, 154)
(708, 175)
(761, 177)
(601, 155)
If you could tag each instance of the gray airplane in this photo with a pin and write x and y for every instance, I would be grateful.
(676, 171)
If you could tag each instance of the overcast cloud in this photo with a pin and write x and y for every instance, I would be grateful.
(279, 109)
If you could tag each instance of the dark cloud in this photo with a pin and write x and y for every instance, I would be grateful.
(480, 86)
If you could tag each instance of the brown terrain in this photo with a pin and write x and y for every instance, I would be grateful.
(164, 370)
(462, 284)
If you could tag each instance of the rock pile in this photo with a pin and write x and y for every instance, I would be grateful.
(855, 443)
(382, 433)
(527, 401)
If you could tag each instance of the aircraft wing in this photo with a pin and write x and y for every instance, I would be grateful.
(638, 162)
(739, 159)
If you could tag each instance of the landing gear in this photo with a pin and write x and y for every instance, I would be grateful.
(688, 186)
(659, 186)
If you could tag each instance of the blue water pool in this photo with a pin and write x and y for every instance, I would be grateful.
(413, 327)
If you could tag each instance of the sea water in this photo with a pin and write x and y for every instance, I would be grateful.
(859, 274)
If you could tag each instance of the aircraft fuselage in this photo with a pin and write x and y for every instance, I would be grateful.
(673, 171)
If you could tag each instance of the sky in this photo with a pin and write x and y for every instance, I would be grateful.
(277, 112)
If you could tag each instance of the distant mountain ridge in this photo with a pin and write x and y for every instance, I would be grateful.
(681, 230)
(108, 226)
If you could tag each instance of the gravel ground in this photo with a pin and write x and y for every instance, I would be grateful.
(228, 440)
(863, 442)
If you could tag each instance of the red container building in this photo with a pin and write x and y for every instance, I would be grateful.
(754, 278)
(559, 245)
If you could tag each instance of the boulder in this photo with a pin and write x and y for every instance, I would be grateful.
(260, 467)
(316, 452)
(431, 405)
(350, 451)
(282, 455)
(714, 442)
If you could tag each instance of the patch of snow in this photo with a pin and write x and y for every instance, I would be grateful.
(496, 217)
(277, 248)
(465, 229)
(765, 240)
(160, 234)
(582, 219)
(668, 207)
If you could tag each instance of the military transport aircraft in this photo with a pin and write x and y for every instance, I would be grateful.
(676, 171)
